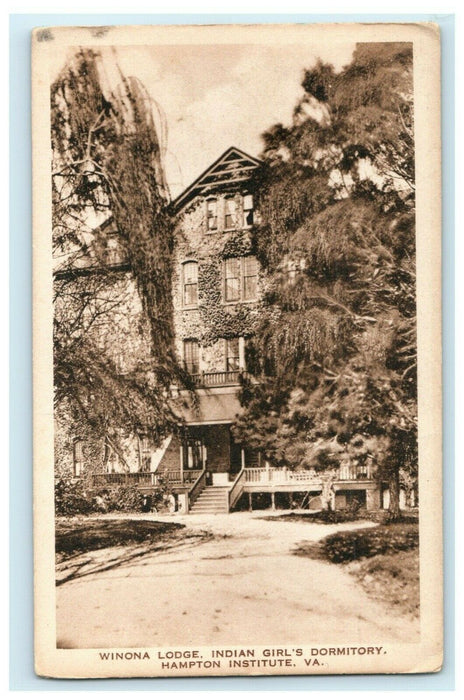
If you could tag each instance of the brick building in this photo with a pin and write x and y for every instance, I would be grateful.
(217, 291)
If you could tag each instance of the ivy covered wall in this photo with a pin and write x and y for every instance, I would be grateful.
(212, 320)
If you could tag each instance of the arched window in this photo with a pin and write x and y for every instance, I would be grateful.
(190, 283)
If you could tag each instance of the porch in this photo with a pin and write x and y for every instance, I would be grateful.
(196, 490)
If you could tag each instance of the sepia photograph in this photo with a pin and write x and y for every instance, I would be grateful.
(237, 355)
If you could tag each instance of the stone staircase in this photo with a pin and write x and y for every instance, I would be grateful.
(213, 499)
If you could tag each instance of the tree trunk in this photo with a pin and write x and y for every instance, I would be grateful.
(394, 488)
(327, 492)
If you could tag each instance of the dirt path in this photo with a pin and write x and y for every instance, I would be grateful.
(243, 587)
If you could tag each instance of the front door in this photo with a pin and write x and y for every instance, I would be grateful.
(235, 456)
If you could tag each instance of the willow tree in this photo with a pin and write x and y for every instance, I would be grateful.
(108, 187)
(336, 350)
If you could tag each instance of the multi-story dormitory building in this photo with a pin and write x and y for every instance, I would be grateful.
(217, 286)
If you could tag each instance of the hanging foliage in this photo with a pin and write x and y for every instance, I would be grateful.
(335, 349)
(114, 363)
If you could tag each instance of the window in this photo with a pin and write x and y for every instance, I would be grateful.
(240, 279)
(112, 251)
(232, 355)
(211, 214)
(78, 457)
(248, 210)
(250, 277)
(145, 454)
(190, 281)
(111, 458)
(229, 213)
(191, 356)
(232, 279)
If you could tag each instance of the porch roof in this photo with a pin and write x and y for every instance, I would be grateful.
(212, 408)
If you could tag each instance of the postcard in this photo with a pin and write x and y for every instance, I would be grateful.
(237, 355)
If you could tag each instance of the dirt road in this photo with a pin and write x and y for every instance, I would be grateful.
(243, 586)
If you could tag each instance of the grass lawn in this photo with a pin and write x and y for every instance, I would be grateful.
(392, 578)
(342, 516)
(79, 535)
(385, 562)
(321, 516)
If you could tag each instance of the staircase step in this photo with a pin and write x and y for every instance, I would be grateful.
(212, 498)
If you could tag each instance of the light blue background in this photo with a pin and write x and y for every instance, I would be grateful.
(22, 675)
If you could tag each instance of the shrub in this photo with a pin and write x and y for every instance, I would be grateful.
(71, 498)
(344, 515)
(354, 544)
(75, 497)
(124, 499)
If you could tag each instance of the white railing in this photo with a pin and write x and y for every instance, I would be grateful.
(358, 473)
(272, 475)
(125, 479)
(237, 489)
(217, 378)
(283, 476)
(186, 476)
(197, 488)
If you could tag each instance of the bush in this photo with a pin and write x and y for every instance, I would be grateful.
(71, 498)
(354, 544)
(384, 517)
(125, 499)
(74, 497)
(344, 515)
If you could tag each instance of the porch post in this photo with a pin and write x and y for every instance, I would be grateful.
(204, 455)
(250, 501)
(181, 464)
(273, 500)
(332, 500)
(242, 454)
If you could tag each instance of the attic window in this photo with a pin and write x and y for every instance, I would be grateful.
(229, 214)
(211, 214)
(248, 210)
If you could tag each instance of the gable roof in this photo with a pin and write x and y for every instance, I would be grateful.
(232, 167)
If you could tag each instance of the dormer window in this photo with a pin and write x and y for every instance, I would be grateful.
(230, 213)
(211, 215)
(190, 283)
(248, 210)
